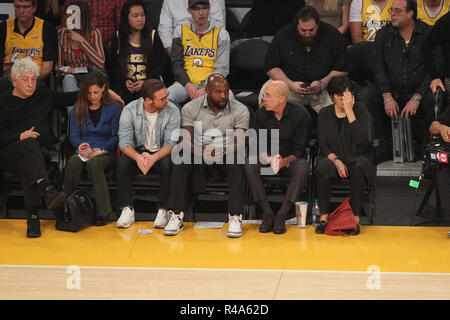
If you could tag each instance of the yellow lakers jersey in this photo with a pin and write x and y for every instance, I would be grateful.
(18, 47)
(373, 19)
(200, 53)
(428, 17)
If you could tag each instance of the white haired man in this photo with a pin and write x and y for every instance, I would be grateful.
(24, 130)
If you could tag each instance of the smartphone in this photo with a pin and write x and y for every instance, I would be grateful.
(305, 84)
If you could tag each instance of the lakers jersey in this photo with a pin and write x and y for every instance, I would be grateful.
(137, 69)
(199, 53)
(18, 47)
(374, 18)
(428, 17)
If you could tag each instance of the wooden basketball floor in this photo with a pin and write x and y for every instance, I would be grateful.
(110, 263)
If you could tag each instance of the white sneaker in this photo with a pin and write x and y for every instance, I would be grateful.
(175, 223)
(162, 218)
(126, 218)
(235, 226)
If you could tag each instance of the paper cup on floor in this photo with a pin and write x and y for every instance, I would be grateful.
(301, 209)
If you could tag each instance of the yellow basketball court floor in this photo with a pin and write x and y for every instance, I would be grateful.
(110, 263)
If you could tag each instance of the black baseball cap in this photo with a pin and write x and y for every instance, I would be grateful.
(192, 3)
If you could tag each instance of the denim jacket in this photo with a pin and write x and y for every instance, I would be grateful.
(133, 125)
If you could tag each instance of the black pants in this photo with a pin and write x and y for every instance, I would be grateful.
(96, 168)
(372, 97)
(180, 178)
(443, 186)
(357, 184)
(26, 159)
(126, 171)
(297, 171)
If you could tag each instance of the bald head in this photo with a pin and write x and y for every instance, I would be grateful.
(217, 91)
(275, 96)
(216, 79)
(280, 88)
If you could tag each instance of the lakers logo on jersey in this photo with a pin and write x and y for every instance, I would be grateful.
(200, 53)
(197, 62)
(20, 47)
(191, 51)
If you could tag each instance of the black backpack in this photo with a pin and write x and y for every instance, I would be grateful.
(78, 212)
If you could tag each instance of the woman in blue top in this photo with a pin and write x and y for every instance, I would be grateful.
(94, 123)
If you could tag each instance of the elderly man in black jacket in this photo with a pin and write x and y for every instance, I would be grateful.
(401, 81)
(24, 130)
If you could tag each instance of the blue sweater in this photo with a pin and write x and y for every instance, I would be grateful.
(103, 136)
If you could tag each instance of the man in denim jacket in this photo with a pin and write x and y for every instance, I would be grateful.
(147, 133)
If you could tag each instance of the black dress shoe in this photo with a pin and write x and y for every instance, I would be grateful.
(320, 228)
(53, 198)
(101, 221)
(354, 232)
(267, 224)
(279, 226)
(33, 228)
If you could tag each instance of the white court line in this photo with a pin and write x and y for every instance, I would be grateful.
(212, 269)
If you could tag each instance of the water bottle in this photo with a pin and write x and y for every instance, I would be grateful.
(315, 213)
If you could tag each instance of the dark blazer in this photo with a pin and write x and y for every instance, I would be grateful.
(103, 136)
(352, 143)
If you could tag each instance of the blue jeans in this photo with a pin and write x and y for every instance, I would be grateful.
(70, 84)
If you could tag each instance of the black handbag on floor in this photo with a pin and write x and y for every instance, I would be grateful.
(78, 212)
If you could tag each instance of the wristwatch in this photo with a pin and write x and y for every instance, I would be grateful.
(417, 97)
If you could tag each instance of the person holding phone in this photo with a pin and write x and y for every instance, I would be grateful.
(305, 54)
(345, 149)
(94, 126)
(80, 48)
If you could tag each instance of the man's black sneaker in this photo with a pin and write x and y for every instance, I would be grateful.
(33, 227)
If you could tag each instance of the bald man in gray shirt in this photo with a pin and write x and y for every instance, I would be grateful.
(205, 121)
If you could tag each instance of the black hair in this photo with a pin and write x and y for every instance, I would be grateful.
(124, 34)
(307, 13)
(412, 5)
(338, 84)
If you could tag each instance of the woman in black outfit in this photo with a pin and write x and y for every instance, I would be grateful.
(345, 136)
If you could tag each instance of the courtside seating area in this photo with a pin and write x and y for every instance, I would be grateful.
(246, 78)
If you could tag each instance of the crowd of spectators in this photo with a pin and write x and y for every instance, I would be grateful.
(90, 46)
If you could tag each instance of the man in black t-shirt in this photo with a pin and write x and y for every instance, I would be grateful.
(294, 133)
(305, 55)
